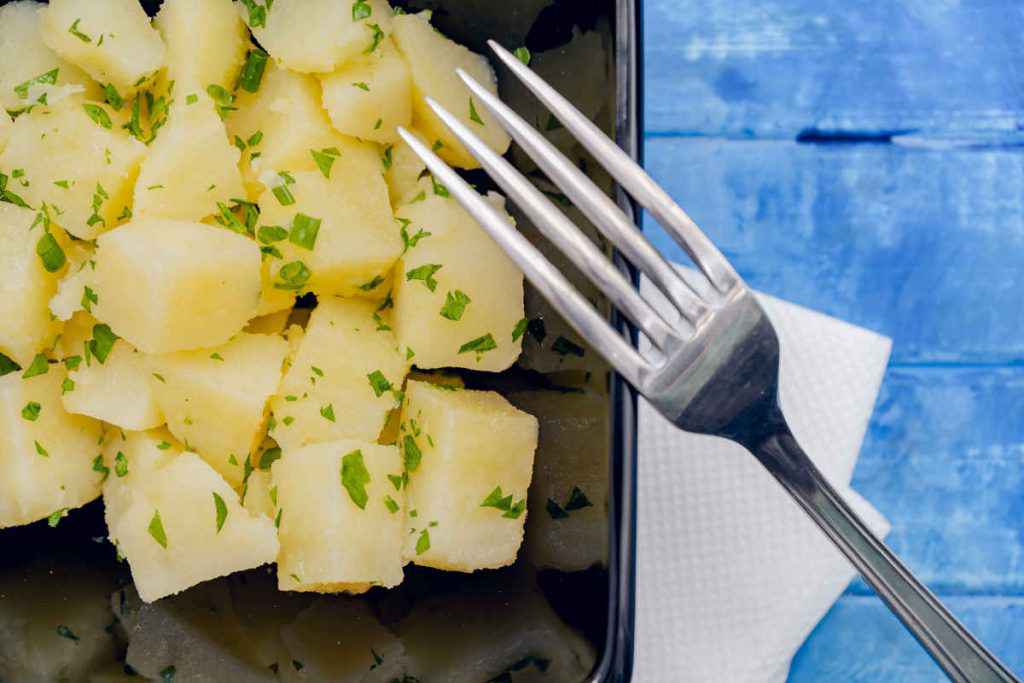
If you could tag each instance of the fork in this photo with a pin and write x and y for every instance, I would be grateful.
(714, 370)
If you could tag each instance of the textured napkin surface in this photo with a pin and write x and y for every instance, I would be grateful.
(732, 575)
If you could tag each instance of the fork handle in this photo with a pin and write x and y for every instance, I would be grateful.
(959, 654)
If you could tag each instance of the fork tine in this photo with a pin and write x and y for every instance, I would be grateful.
(595, 204)
(549, 281)
(630, 176)
(566, 236)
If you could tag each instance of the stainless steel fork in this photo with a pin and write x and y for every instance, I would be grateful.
(715, 369)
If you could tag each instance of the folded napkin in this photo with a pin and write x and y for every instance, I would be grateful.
(732, 575)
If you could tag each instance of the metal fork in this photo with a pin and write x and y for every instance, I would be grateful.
(714, 370)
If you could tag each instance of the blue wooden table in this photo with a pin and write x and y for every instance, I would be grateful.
(867, 159)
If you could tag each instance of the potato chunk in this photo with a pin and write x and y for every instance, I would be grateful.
(316, 36)
(112, 40)
(191, 167)
(206, 43)
(371, 96)
(469, 459)
(458, 297)
(341, 236)
(327, 395)
(178, 522)
(74, 164)
(26, 327)
(26, 57)
(568, 503)
(215, 399)
(147, 269)
(340, 517)
(116, 390)
(402, 170)
(46, 455)
(433, 59)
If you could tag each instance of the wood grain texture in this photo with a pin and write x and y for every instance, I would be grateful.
(774, 68)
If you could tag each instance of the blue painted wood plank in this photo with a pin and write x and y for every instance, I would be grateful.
(944, 461)
(859, 641)
(776, 68)
(925, 245)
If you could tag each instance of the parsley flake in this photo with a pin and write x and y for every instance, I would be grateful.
(31, 411)
(325, 159)
(425, 273)
(98, 115)
(251, 76)
(54, 519)
(360, 10)
(378, 36)
(294, 276)
(523, 55)
(411, 454)
(73, 30)
(455, 305)
(121, 465)
(378, 382)
(50, 253)
(40, 450)
(304, 231)
(156, 530)
(390, 504)
(479, 345)
(355, 477)
(100, 468)
(222, 510)
(423, 542)
(327, 412)
(474, 116)
(38, 366)
(520, 329)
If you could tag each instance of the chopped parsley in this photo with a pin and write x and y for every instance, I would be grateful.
(437, 146)
(163, 445)
(48, 78)
(38, 366)
(411, 241)
(411, 454)
(7, 366)
(378, 382)
(216, 356)
(40, 450)
(112, 97)
(257, 13)
(362, 85)
(269, 457)
(54, 519)
(523, 55)
(360, 10)
(121, 465)
(50, 253)
(355, 477)
(72, 362)
(102, 342)
(67, 385)
(479, 345)
(277, 520)
(31, 411)
(327, 412)
(325, 159)
(304, 231)
(455, 305)
(222, 510)
(294, 276)
(224, 100)
(73, 30)
(424, 273)
(372, 284)
(251, 76)
(98, 197)
(390, 504)
(156, 530)
(496, 500)
(89, 297)
(98, 115)
(268, 234)
(160, 377)
(520, 329)
(473, 115)
(100, 468)
(282, 191)
(378, 36)
(423, 542)
(387, 157)
(192, 98)
(396, 481)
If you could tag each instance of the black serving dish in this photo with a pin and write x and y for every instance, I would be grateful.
(597, 602)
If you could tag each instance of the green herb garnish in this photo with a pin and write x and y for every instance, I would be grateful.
(156, 530)
(424, 273)
(222, 510)
(355, 477)
(455, 305)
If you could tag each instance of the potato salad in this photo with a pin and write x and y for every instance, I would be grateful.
(231, 292)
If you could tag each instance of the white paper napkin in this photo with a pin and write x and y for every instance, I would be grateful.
(732, 575)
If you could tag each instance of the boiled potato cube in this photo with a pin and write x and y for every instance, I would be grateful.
(111, 40)
(170, 285)
(369, 97)
(75, 165)
(280, 124)
(316, 36)
(341, 236)
(53, 622)
(568, 502)
(116, 390)
(206, 43)
(341, 517)
(458, 297)
(327, 395)
(507, 637)
(215, 399)
(26, 57)
(433, 59)
(191, 167)
(402, 170)
(370, 652)
(46, 454)
(469, 457)
(26, 327)
(200, 635)
(131, 458)
(183, 524)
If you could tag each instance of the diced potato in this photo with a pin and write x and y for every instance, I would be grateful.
(371, 96)
(283, 121)
(53, 620)
(25, 57)
(271, 323)
(506, 636)
(370, 652)
(147, 270)
(116, 390)
(327, 395)
(206, 43)
(568, 503)
(94, 166)
(112, 40)
(200, 635)
(403, 169)
(26, 327)
(191, 166)
(469, 459)
(342, 236)
(215, 399)
(317, 36)
(180, 524)
(341, 518)
(458, 297)
(46, 455)
(433, 59)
